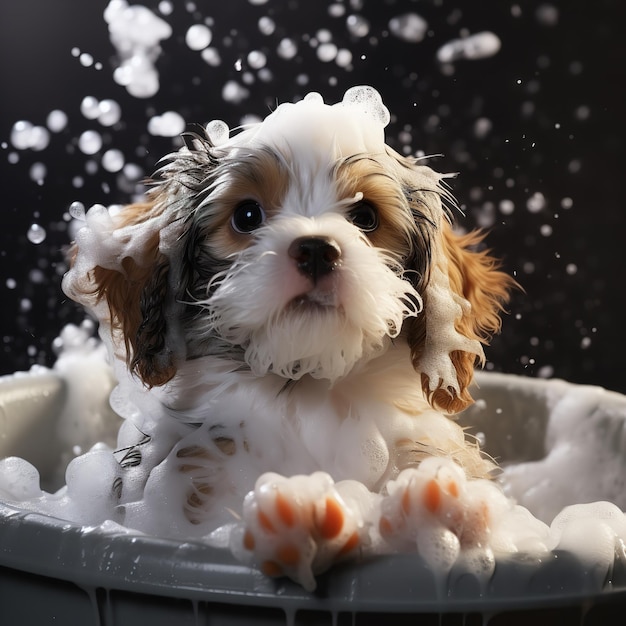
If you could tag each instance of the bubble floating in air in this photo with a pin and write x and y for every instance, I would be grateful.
(478, 46)
(136, 32)
(198, 37)
(90, 142)
(169, 124)
(409, 27)
(36, 234)
(77, 210)
(56, 121)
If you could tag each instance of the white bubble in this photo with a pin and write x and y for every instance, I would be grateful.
(357, 25)
(36, 234)
(39, 138)
(198, 36)
(20, 134)
(478, 46)
(571, 268)
(113, 160)
(11, 283)
(546, 230)
(343, 58)
(287, 48)
(482, 127)
(218, 132)
(258, 2)
(77, 210)
(547, 15)
(536, 202)
(136, 32)
(86, 60)
(90, 107)
(25, 135)
(256, 59)
(409, 27)
(506, 207)
(38, 172)
(109, 112)
(327, 52)
(234, 92)
(266, 25)
(336, 10)
(211, 56)
(90, 142)
(56, 120)
(567, 203)
(166, 7)
(169, 124)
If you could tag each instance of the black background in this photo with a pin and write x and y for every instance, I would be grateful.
(554, 95)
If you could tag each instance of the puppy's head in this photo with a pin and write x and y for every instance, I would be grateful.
(301, 246)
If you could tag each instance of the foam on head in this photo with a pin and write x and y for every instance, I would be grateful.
(353, 126)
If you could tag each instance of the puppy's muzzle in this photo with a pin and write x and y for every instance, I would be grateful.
(315, 257)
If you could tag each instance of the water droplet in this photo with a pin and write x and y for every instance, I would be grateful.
(36, 234)
(169, 124)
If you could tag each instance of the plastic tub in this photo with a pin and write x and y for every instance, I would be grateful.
(55, 572)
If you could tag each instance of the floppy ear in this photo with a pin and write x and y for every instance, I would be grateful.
(463, 299)
(135, 290)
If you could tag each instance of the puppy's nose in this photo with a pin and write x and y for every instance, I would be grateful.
(315, 256)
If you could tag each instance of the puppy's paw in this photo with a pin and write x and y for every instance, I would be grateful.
(435, 510)
(297, 527)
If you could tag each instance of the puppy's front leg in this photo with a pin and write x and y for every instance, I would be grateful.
(298, 526)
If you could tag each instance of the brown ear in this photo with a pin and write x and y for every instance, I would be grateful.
(136, 296)
(447, 345)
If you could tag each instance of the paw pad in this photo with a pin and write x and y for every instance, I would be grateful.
(297, 527)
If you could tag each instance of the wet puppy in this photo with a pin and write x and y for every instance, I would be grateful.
(293, 299)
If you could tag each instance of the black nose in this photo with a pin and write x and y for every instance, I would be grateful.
(315, 256)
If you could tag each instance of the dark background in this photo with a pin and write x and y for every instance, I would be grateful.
(554, 95)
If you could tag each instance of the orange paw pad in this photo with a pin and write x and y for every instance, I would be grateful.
(248, 541)
(271, 568)
(285, 512)
(432, 496)
(289, 555)
(333, 520)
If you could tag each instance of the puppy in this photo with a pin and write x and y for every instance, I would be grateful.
(293, 320)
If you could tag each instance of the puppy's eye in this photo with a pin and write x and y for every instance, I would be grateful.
(364, 216)
(248, 216)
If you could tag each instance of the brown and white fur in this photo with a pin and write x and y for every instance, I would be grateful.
(289, 305)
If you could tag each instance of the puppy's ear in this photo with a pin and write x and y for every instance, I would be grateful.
(463, 300)
(135, 292)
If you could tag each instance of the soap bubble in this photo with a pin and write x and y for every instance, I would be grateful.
(234, 92)
(198, 37)
(77, 210)
(90, 107)
(36, 234)
(38, 172)
(256, 59)
(90, 142)
(358, 25)
(109, 112)
(478, 46)
(327, 52)
(113, 160)
(218, 132)
(169, 124)
(536, 202)
(56, 121)
(409, 27)
(267, 25)
(287, 48)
